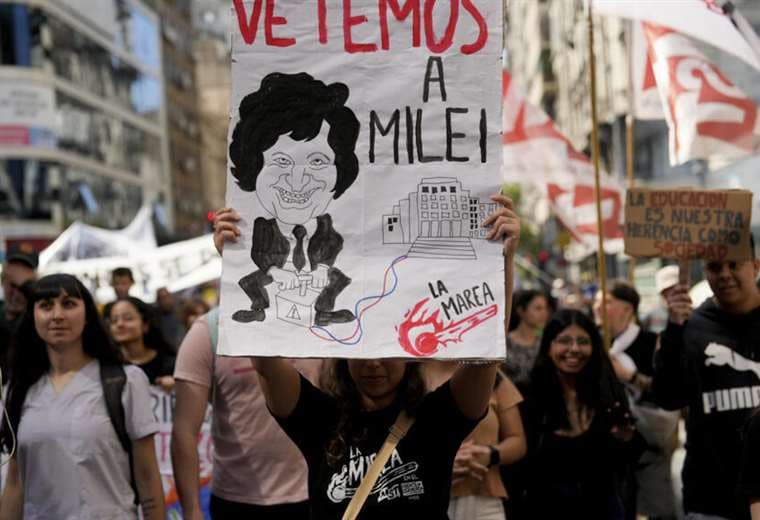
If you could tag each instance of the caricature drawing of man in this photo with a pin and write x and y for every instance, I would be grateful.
(294, 146)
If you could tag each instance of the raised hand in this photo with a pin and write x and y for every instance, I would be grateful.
(504, 224)
(225, 227)
(679, 304)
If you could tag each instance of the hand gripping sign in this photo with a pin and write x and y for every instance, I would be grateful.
(364, 144)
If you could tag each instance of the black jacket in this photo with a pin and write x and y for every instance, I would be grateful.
(271, 248)
(712, 366)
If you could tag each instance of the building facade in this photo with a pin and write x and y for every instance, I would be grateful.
(183, 117)
(213, 23)
(82, 115)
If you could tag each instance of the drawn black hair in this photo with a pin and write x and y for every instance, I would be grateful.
(295, 105)
(29, 359)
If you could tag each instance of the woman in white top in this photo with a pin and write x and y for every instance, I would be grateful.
(69, 462)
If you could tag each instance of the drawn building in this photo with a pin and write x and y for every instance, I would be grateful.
(440, 214)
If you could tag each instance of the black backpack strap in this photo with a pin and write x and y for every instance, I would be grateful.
(113, 378)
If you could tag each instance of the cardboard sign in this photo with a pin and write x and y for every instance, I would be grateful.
(364, 147)
(688, 224)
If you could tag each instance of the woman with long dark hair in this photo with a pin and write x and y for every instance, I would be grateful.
(134, 327)
(340, 430)
(530, 311)
(68, 460)
(581, 438)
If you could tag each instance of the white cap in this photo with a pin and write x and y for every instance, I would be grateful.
(665, 278)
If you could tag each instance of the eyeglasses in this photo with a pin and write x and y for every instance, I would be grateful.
(716, 267)
(567, 341)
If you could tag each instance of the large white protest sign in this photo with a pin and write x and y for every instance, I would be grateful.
(364, 146)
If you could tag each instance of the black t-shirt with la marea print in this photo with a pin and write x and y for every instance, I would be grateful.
(416, 480)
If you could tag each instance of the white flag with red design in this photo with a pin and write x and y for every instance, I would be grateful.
(646, 97)
(536, 152)
(709, 117)
(701, 19)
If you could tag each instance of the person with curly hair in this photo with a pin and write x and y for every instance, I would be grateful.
(294, 147)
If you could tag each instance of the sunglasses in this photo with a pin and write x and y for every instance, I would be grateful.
(567, 341)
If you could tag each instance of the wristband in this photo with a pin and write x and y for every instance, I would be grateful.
(495, 458)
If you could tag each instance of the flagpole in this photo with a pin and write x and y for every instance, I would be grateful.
(629, 142)
(601, 257)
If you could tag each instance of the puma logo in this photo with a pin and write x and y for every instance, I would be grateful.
(720, 355)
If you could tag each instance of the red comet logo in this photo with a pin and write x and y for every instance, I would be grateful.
(422, 335)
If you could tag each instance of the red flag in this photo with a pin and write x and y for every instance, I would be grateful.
(709, 117)
(536, 152)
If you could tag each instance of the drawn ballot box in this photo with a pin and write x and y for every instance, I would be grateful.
(296, 306)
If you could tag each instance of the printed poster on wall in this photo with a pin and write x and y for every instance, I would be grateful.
(364, 147)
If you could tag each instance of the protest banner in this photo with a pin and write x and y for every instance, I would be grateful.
(163, 411)
(364, 147)
(688, 224)
(176, 266)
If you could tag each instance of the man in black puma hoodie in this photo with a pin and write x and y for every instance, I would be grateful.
(709, 361)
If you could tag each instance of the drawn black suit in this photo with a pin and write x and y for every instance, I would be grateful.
(271, 249)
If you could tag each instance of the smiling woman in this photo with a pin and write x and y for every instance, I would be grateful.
(57, 407)
(581, 440)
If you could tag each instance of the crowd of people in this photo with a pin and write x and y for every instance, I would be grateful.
(564, 428)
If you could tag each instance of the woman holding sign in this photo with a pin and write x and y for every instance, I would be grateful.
(69, 457)
(341, 431)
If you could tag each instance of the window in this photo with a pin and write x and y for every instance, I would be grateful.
(434, 205)
(94, 134)
(390, 220)
(435, 190)
(453, 198)
(424, 197)
(425, 189)
(94, 69)
(395, 220)
(445, 214)
(434, 214)
(464, 199)
(443, 189)
(456, 214)
(444, 206)
(424, 214)
(390, 228)
(20, 36)
(452, 189)
(424, 206)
